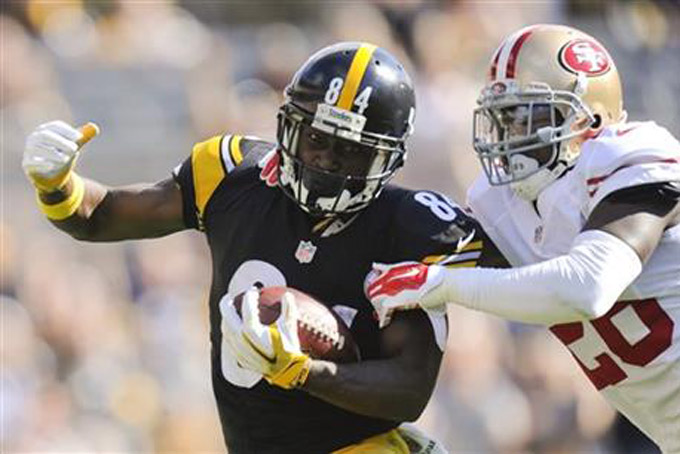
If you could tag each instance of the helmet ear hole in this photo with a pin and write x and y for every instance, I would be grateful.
(597, 124)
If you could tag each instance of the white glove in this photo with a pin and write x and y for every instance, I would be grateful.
(405, 285)
(51, 151)
(274, 350)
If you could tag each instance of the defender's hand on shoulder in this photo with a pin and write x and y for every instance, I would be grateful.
(51, 151)
(405, 285)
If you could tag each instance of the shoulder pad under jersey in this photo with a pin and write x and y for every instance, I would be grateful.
(212, 161)
(627, 155)
(437, 230)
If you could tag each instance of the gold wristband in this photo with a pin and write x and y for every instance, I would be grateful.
(54, 183)
(65, 208)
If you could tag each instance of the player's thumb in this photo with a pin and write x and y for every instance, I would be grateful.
(373, 275)
(289, 307)
(379, 267)
(289, 316)
(88, 132)
(251, 310)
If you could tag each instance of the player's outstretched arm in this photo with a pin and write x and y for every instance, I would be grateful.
(604, 259)
(86, 209)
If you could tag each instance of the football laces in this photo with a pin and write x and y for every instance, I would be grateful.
(321, 330)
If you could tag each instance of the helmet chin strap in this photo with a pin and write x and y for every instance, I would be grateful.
(339, 202)
(529, 188)
(346, 202)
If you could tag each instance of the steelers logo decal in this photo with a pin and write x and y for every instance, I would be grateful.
(585, 56)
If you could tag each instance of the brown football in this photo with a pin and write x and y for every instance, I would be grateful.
(322, 333)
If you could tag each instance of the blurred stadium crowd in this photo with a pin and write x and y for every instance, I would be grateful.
(105, 347)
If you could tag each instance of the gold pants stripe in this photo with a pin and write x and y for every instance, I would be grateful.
(387, 443)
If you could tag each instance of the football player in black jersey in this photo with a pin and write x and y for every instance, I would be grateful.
(295, 213)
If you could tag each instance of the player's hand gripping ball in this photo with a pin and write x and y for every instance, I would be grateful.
(276, 330)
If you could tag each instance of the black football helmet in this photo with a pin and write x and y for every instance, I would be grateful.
(342, 128)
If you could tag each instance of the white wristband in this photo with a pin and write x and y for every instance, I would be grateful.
(584, 284)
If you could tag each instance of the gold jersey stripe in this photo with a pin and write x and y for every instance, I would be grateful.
(456, 257)
(354, 75)
(442, 260)
(235, 149)
(322, 224)
(208, 171)
(475, 245)
(430, 259)
(468, 264)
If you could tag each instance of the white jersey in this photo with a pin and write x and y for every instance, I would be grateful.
(631, 354)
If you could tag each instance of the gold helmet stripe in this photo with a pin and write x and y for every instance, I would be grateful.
(356, 72)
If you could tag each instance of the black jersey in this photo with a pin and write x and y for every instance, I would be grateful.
(258, 236)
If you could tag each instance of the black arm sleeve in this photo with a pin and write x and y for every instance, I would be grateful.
(659, 197)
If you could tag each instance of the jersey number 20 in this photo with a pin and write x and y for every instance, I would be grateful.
(640, 353)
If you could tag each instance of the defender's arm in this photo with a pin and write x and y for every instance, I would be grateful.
(605, 258)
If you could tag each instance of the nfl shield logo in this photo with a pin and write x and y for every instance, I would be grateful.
(305, 251)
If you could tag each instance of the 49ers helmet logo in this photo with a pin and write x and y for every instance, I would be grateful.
(585, 56)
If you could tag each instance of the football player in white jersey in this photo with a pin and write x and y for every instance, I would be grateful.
(586, 207)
